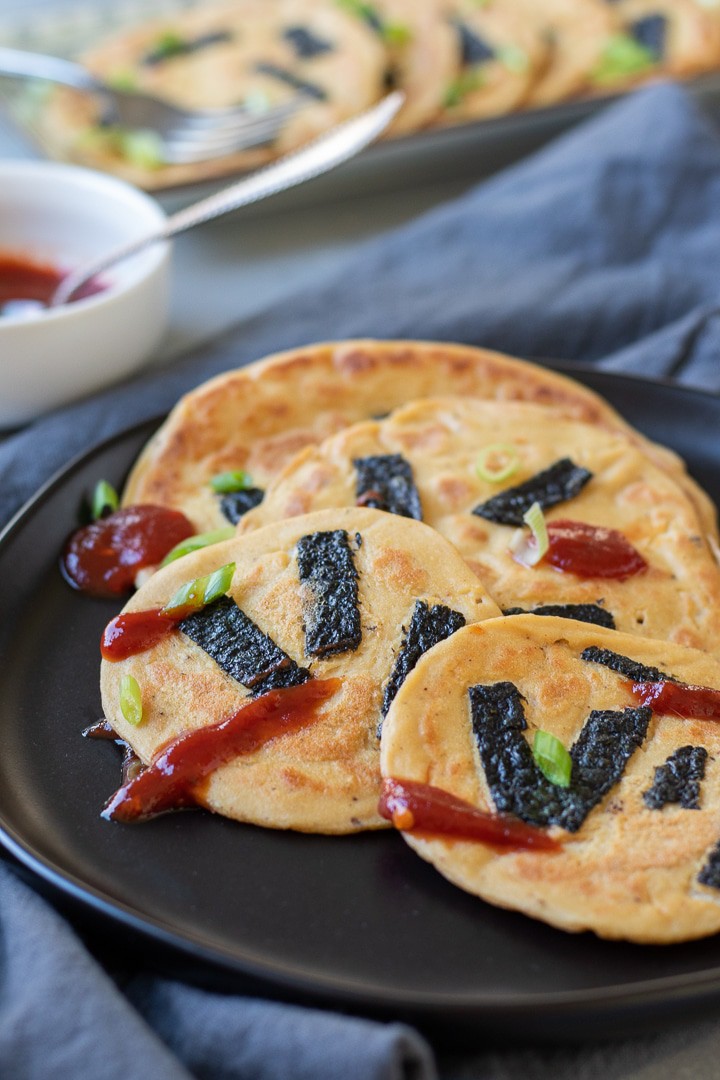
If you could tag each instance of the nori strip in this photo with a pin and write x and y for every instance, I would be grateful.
(652, 33)
(710, 873)
(587, 613)
(386, 482)
(474, 49)
(182, 48)
(599, 756)
(236, 504)
(562, 481)
(306, 44)
(623, 665)
(241, 649)
(326, 566)
(678, 780)
(287, 77)
(428, 626)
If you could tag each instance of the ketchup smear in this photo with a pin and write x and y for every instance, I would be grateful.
(591, 551)
(135, 631)
(22, 278)
(422, 808)
(173, 780)
(103, 558)
(676, 699)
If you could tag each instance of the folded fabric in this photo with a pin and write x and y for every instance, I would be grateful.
(602, 249)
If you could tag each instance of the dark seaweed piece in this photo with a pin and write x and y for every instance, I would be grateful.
(386, 482)
(287, 77)
(651, 32)
(305, 43)
(599, 756)
(428, 626)
(178, 47)
(562, 481)
(629, 669)
(241, 649)
(678, 780)
(587, 613)
(326, 566)
(473, 48)
(236, 504)
(710, 873)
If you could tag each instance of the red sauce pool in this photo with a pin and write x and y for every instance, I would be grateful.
(23, 278)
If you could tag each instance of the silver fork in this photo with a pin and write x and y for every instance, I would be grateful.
(187, 136)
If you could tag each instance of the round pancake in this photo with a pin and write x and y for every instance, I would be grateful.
(577, 31)
(677, 598)
(681, 39)
(258, 417)
(629, 871)
(313, 41)
(502, 54)
(324, 778)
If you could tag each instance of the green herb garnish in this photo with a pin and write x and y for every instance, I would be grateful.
(623, 56)
(104, 500)
(514, 58)
(195, 543)
(395, 33)
(467, 81)
(131, 700)
(197, 594)
(552, 759)
(170, 43)
(234, 480)
(497, 462)
(122, 80)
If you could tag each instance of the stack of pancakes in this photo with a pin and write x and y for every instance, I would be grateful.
(372, 552)
(455, 60)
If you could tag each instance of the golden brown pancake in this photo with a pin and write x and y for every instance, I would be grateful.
(676, 598)
(258, 417)
(640, 857)
(324, 778)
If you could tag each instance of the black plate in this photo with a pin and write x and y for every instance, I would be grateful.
(360, 922)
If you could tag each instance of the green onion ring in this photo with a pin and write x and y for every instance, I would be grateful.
(497, 475)
(104, 500)
(552, 759)
(225, 483)
(194, 543)
(131, 700)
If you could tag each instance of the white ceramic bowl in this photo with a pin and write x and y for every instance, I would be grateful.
(65, 215)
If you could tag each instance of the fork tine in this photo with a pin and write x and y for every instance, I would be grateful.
(239, 121)
(258, 132)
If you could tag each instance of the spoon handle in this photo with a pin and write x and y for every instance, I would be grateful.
(324, 153)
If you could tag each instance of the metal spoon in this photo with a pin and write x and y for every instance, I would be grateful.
(324, 153)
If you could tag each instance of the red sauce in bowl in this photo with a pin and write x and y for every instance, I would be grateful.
(25, 279)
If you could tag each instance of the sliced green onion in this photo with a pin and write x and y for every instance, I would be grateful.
(623, 56)
(234, 480)
(529, 550)
(194, 595)
(123, 79)
(131, 700)
(104, 501)
(194, 543)
(552, 758)
(170, 43)
(467, 81)
(143, 148)
(514, 58)
(487, 466)
(395, 33)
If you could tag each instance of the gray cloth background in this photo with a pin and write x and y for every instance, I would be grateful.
(603, 249)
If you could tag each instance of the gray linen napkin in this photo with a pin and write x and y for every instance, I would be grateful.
(601, 249)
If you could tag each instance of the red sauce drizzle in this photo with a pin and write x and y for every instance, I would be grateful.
(676, 699)
(134, 632)
(422, 808)
(22, 278)
(173, 780)
(103, 558)
(592, 551)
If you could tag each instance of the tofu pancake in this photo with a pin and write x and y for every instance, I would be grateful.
(675, 597)
(354, 595)
(225, 54)
(258, 417)
(639, 822)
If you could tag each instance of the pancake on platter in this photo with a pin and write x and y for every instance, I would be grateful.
(353, 596)
(427, 460)
(258, 417)
(639, 821)
(502, 54)
(578, 32)
(226, 54)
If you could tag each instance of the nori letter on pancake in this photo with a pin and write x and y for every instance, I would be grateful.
(241, 649)
(599, 756)
(587, 613)
(623, 665)
(428, 626)
(652, 33)
(474, 49)
(326, 566)
(306, 44)
(710, 873)
(182, 48)
(562, 481)
(678, 780)
(236, 504)
(386, 482)
(287, 77)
